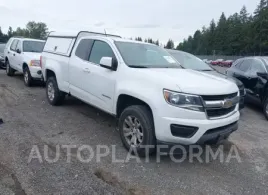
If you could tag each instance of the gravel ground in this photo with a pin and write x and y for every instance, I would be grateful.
(29, 120)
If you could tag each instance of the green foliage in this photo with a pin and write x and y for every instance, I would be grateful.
(35, 30)
(170, 44)
(239, 34)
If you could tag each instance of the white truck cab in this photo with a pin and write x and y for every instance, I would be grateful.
(154, 98)
(23, 55)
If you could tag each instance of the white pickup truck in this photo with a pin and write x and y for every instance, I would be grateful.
(154, 98)
(23, 55)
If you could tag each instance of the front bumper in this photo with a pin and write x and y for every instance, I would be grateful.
(204, 125)
(36, 72)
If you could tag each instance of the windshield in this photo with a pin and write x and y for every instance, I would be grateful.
(2, 47)
(33, 46)
(140, 55)
(189, 61)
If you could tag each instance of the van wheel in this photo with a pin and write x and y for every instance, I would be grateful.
(136, 129)
(265, 108)
(28, 80)
(54, 95)
(10, 71)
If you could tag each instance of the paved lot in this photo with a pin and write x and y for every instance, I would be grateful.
(29, 120)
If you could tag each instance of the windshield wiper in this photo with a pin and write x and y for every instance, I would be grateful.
(135, 66)
(206, 70)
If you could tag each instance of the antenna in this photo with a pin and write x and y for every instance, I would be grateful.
(105, 32)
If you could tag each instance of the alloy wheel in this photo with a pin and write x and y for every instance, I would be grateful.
(133, 131)
(50, 91)
(26, 76)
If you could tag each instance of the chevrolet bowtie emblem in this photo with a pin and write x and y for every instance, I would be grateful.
(227, 103)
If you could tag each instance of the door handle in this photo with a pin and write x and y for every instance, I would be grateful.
(14, 54)
(86, 70)
(8, 52)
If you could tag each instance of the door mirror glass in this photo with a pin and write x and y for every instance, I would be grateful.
(109, 63)
(18, 51)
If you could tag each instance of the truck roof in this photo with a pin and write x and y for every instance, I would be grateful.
(75, 34)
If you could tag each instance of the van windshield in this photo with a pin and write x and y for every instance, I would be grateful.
(189, 61)
(33, 46)
(140, 55)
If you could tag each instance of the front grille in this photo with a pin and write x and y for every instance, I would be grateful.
(214, 105)
(219, 112)
(218, 97)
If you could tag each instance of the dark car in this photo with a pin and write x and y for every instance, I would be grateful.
(253, 72)
(2, 58)
(190, 61)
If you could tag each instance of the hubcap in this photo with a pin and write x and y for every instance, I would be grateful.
(50, 91)
(133, 131)
(26, 77)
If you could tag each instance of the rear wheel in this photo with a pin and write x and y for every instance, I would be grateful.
(54, 95)
(10, 71)
(136, 129)
(265, 108)
(28, 80)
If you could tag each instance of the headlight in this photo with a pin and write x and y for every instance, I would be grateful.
(186, 101)
(35, 63)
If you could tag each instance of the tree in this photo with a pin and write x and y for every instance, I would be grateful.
(37, 30)
(170, 44)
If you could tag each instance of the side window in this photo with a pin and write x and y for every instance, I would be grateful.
(14, 45)
(18, 45)
(245, 65)
(100, 49)
(237, 63)
(257, 66)
(83, 49)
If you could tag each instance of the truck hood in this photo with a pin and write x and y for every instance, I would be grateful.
(32, 55)
(189, 81)
(232, 79)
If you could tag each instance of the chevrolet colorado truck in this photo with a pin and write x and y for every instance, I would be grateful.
(154, 98)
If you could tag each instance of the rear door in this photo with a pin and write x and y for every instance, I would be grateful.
(11, 53)
(18, 56)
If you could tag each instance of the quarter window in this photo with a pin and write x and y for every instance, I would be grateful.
(83, 48)
(100, 49)
(14, 45)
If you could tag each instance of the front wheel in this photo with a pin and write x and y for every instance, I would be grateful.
(10, 71)
(265, 108)
(54, 95)
(28, 80)
(136, 129)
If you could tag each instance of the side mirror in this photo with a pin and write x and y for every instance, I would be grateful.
(262, 74)
(18, 51)
(109, 63)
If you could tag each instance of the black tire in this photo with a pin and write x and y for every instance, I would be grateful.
(10, 71)
(58, 97)
(265, 108)
(28, 80)
(144, 116)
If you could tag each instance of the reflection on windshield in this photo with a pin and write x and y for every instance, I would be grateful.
(33, 46)
(190, 61)
(140, 55)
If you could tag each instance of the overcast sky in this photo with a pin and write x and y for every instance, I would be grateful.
(159, 19)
